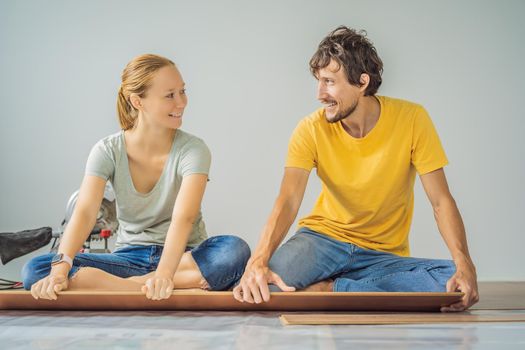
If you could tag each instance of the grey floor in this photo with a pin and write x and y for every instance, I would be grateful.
(237, 330)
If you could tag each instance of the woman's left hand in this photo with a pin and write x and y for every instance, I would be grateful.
(158, 287)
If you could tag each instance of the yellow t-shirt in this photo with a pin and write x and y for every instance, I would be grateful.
(367, 195)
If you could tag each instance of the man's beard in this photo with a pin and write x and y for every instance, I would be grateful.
(343, 114)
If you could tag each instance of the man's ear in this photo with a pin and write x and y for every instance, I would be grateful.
(364, 80)
(135, 101)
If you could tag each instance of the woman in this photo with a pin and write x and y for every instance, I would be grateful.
(159, 174)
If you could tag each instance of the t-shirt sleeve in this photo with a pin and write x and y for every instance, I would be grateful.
(195, 159)
(301, 147)
(427, 152)
(100, 162)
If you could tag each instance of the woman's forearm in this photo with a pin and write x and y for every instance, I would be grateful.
(77, 230)
(174, 246)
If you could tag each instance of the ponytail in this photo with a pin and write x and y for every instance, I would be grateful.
(127, 115)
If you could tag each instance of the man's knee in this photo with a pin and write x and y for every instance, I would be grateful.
(448, 269)
(285, 262)
(439, 273)
(435, 275)
(279, 261)
(303, 260)
(445, 267)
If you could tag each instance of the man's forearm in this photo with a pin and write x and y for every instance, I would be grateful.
(464, 279)
(283, 214)
(276, 228)
(452, 230)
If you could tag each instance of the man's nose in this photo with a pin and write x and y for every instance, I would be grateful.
(321, 91)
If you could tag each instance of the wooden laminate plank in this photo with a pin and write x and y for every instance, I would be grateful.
(399, 318)
(501, 296)
(224, 301)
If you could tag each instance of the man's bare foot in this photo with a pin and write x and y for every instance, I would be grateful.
(323, 286)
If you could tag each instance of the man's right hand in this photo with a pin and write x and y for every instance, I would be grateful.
(48, 287)
(253, 287)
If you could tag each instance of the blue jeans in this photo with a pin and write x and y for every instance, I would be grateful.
(310, 257)
(221, 261)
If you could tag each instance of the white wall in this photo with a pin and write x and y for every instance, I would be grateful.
(246, 67)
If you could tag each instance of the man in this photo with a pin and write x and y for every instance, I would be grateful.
(367, 150)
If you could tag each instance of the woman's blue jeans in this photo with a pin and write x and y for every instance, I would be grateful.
(221, 261)
(309, 257)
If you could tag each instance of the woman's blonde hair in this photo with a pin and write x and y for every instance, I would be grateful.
(136, 79)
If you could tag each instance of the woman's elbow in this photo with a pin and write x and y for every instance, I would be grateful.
(184, 219)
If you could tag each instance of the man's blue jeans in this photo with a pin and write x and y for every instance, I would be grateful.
(221, 260)
(310, 257)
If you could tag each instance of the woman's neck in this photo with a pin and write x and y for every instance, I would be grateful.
(150, 140)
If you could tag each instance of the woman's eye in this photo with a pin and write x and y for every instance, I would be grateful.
(183, 92)
(170, 95)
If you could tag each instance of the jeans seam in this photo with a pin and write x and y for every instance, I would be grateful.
(105, 262)
(390, 274)
(225, 281)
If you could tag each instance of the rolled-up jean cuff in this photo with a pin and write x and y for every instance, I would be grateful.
(73, 271)
(200, 259)
(335, 287)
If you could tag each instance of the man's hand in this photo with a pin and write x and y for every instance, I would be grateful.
(158, 287)
(253, 287)
(464, 280)
(49, 286)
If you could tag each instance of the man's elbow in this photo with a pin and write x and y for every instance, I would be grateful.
(443, 203)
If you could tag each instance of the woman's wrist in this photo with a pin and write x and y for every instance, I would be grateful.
(164, 273)
(61, 269)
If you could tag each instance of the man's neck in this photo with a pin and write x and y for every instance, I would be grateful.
(364, 117)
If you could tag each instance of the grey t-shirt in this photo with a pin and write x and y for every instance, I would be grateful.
(144, 218)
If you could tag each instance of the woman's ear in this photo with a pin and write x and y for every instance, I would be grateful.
(364, 80)
(135, 101)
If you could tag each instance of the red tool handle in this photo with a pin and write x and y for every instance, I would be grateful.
(105, 233)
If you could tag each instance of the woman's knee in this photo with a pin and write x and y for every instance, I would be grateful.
(222, 260)
(36, 269)
(232, 250)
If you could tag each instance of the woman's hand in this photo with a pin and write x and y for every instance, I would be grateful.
(159, 286)
(48, 287)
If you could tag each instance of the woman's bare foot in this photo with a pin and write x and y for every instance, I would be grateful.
(96, 279)
(187, 276)
(141, 279)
